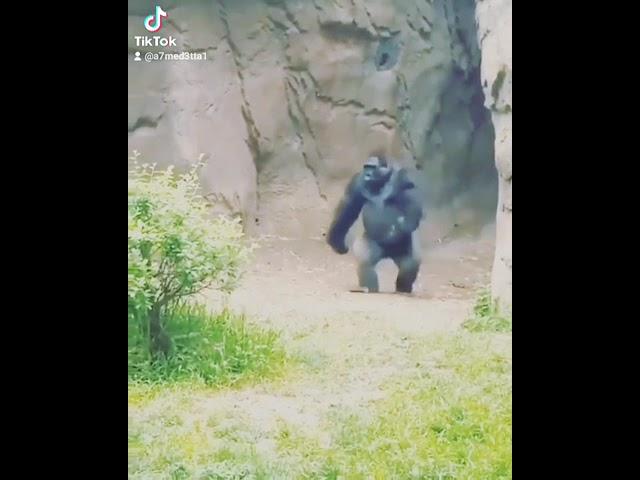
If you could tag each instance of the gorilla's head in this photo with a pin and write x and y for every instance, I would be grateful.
(376, 172)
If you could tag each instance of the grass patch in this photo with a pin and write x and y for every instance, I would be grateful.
(451, 421)
(450, 418)
(208, 350)
(487, 316)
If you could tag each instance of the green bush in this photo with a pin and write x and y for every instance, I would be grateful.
(176, 248)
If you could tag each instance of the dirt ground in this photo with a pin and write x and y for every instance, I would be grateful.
(295, 283)
(352, 344)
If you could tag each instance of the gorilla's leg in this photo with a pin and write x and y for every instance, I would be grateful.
(368, 253)
(408, 266)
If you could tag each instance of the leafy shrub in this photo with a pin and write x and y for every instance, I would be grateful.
(176, 249)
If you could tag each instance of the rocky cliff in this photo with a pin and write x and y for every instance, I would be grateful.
(294, 94)
(494, 38)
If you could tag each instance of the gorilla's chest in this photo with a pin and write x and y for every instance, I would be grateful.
(383, 223)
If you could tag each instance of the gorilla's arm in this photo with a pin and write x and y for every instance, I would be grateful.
(345, 215)
(410, 205)
(401, 192)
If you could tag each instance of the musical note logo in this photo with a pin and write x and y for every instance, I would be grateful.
(153, 23)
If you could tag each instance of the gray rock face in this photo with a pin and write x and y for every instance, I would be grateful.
(295, 94)
(494, 37)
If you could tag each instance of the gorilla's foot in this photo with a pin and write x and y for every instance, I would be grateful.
(359, 290)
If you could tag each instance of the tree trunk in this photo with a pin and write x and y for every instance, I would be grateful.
(159, 341)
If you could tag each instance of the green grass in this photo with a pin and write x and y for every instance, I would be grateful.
(449, 418)
(208, 350)
(452, 420)
(487, 317)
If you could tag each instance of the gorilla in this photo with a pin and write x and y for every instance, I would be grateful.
(391, 214)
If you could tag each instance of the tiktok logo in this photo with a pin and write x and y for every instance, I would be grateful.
(153, 23)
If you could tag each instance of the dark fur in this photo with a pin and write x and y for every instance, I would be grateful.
(391, 213)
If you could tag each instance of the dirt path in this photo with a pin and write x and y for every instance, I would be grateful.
(352, 344)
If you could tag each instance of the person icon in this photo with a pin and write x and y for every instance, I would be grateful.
(137, 59)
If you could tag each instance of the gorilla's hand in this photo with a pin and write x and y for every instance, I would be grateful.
(337, 242)
(340, 248)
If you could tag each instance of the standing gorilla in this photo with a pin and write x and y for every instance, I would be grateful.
(391, 216)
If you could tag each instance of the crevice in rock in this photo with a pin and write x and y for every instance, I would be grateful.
(297, 78)
(253, 134)
(340, 102)
(382, 123)
(424, 33)
(381, 30)
(484, 36)
(253, 140)
(496, 86)
(301, 124)
(381, 118)
(145, 122)
(282, 5)
(291, 17)
(404, 116)
(345, 32)
(278, 25)
(380, 113)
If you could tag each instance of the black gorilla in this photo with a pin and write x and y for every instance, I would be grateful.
(391, 215)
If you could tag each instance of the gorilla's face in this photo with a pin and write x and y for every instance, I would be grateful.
(375, 174)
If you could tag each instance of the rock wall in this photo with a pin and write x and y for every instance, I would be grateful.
(494, 37)
(294, 94)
